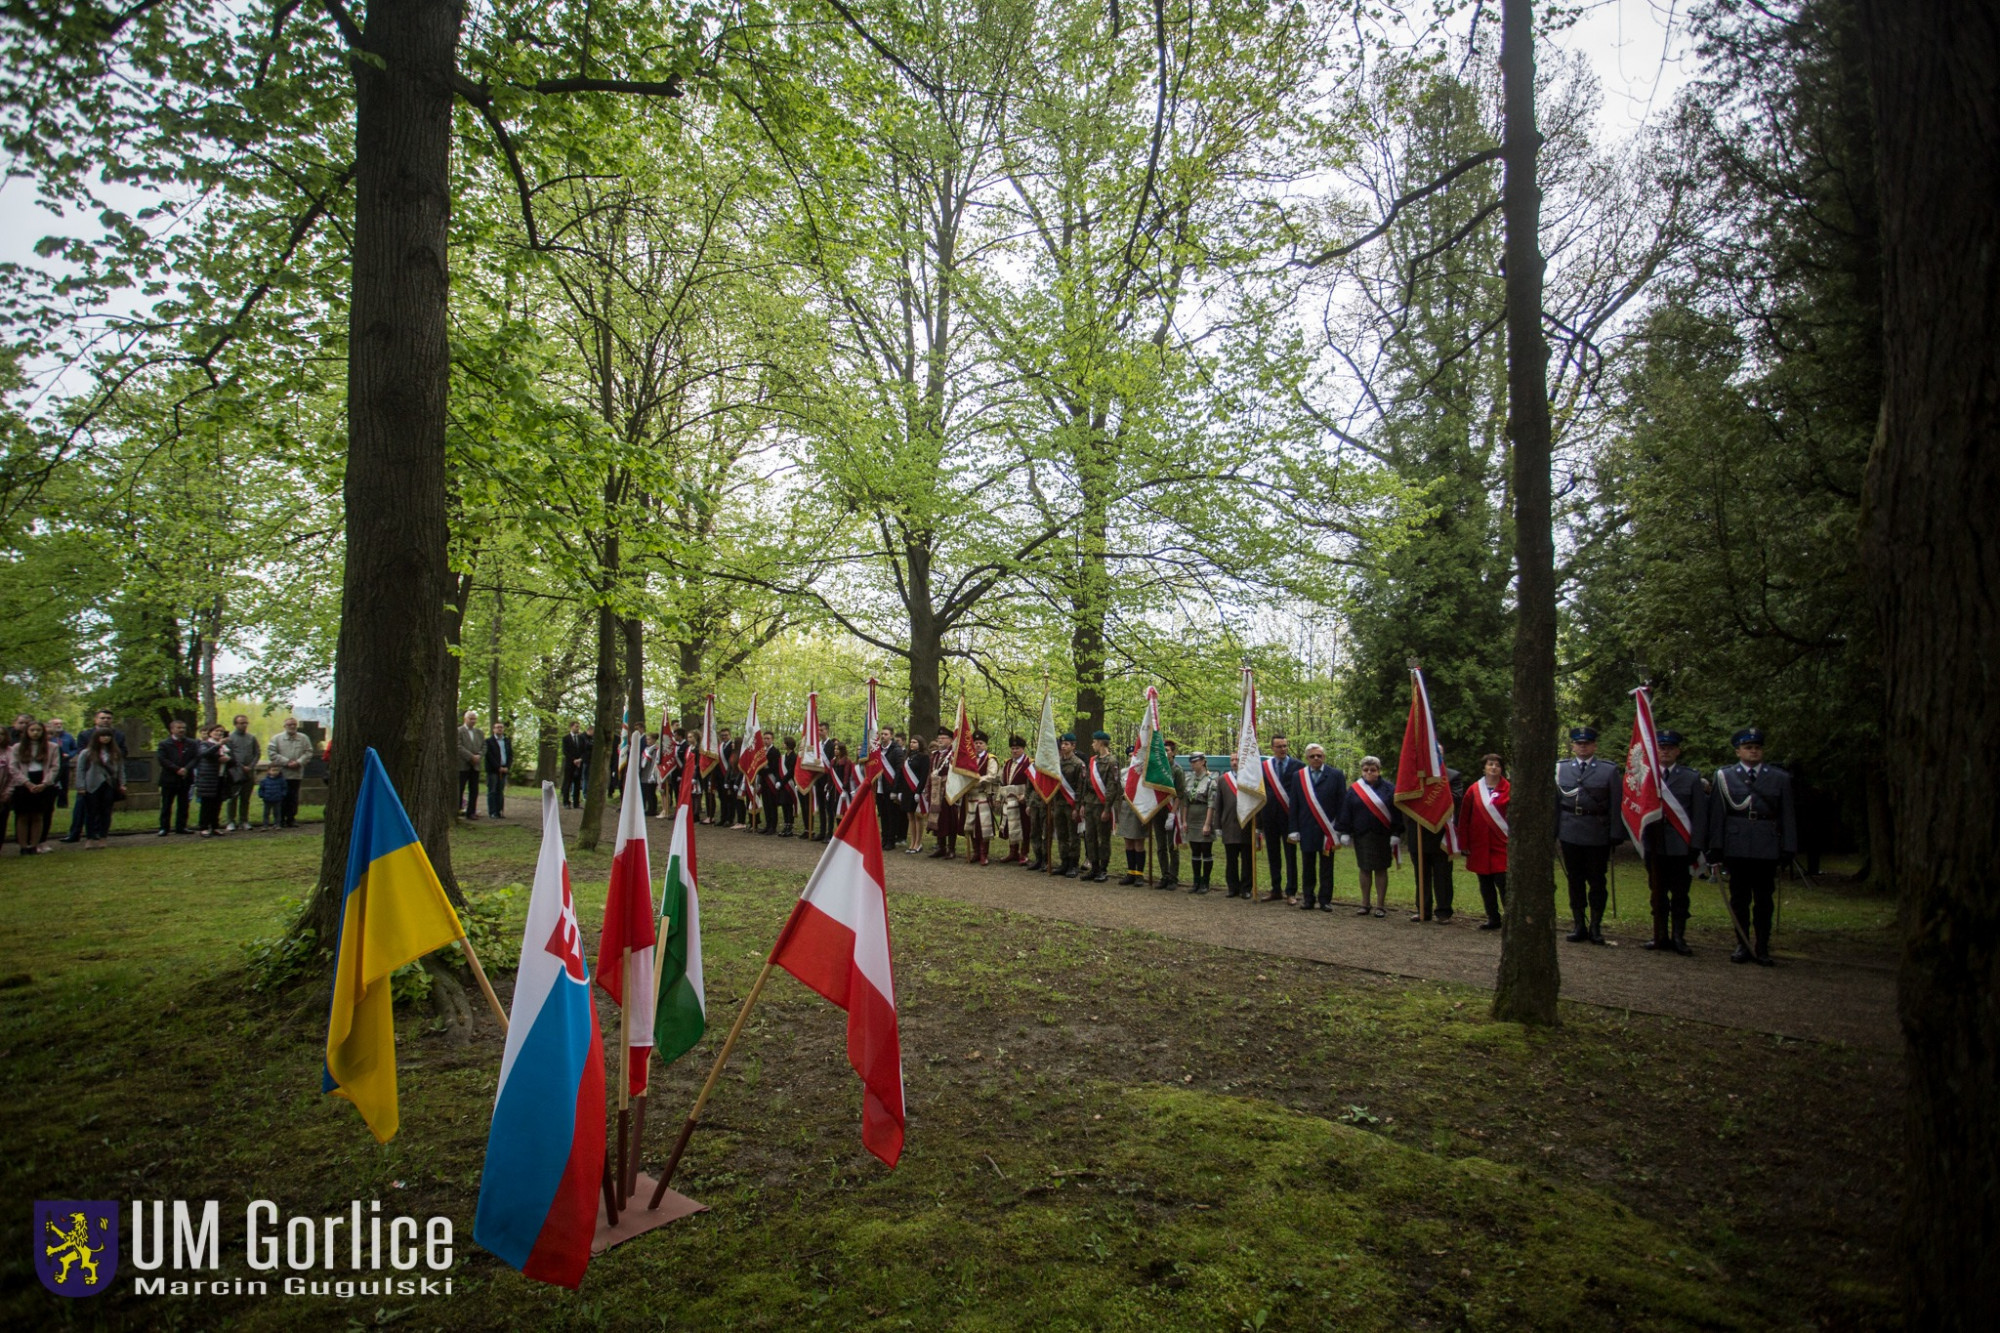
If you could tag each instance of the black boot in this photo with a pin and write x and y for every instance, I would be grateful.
(1596, 927)
(1069, 870)
(1581, 935)
(1680, 944)
(1742, 953)
(1490, 923)
(1763, 955)
(1659, 940)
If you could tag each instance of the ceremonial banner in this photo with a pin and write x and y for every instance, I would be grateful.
(837, 943)
(812, 756)
(626, 944)
(711, 746)
(1422, 789)
(392, 911)
(545, 1152)
(1150, 773)
(964, 775)
(1248, 774)
(1646, 798)
(1046, 769)
(682, 1015)
(870, 722)
(756, 747)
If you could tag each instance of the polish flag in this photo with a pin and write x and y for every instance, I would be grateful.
(756, 747)
(1423, 789)
(964, 774)
(625, 949)
(709, 748)
(812, 757)
(1646, 798)
(837, 943)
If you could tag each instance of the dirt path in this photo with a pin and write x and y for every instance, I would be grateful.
(1817, 999)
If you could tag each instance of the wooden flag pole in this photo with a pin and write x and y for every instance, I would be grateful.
(610, 1195)
(1422, 885)
(708, 1086)
(485, 986)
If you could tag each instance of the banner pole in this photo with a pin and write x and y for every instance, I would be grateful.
(485, 986)
(624, 1073)
(708, 1086)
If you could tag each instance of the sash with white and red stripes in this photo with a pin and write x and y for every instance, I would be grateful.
(1062, 785)
(1272, 784)
(1373, 802)
(1490, 810)
(1318, 811)
(1097, 782)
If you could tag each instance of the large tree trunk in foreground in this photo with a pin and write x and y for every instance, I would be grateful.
(1530, 978)
(1932, 529)
(606, 703)
(389, 672)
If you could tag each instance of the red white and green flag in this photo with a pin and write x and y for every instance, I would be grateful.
(682, 1015)
(1150, 773)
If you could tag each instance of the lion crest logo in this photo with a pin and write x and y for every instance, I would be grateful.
(76, 1245)
(1636, 768)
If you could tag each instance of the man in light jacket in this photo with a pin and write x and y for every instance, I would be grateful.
(289, 750)
(471, 755)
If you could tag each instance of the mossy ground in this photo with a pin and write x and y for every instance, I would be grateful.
(1107, 1130)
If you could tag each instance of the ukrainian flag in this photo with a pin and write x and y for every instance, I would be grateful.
(392, 911)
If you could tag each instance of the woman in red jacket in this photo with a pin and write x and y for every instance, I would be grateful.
(1483, 817)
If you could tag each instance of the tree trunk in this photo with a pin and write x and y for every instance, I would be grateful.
(209, 636)
(1530, 978)
(604, 750)
(688, 654)
(926, 649)
(493, 642)
(1933, 557)
(389, 671)
(635, 672)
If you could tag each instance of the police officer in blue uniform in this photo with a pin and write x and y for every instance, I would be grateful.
(1670, 857)
(1588, 826)
(1752, 829)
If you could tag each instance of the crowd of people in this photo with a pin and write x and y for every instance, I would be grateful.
(216, 770)
(1743, 817)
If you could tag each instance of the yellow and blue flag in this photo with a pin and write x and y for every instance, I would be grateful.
(392, 911)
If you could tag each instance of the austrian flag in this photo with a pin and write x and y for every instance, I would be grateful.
(837, 943)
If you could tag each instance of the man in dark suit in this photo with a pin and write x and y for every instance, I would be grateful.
(1752, 829)
(1275, 820)
(576, 765)
(1319, 817)
(176, 757)
(1588, 825)
(888, 810)
(499, 762)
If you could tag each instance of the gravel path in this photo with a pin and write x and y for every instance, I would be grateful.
(1818, 999)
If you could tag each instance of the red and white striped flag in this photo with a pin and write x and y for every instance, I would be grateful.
(812, 755)
(1646, 798)
(756, 746)
(709, 747)
(625, 948)
(837, 943)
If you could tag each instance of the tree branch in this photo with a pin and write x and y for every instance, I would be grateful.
(1397, 206)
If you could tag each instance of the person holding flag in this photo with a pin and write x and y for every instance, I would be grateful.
(538, 1190)
(1099, 798)
(1319, 823)
(1274, 821)
(1482, 815)
(1427, 791)
(1043, 775)
(1061, 819)
(1663, 812)
(1588, 827)
(1169, 824)
(393, 911)
(1375, 827)
(1227, 825)
(625, 964)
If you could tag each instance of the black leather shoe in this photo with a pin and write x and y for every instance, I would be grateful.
(1581, 935)
(1099, 878)
(1597, 934)
(1680, 946)
(1326, 907)
(1069, 872)
(1036, 865)
(1489, 924)
(1742, 954)
(1655, 943)
(1762, 957)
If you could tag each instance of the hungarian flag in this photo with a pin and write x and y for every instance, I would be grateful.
(964, 775)
(1046, 770)
(626, 944)
(682, 1015)
(1248, 776)
(837, 943)
(1646, 798)
(1422, 790)
(710, 747)
(812, 757)
(756, 746)
(1150, 773)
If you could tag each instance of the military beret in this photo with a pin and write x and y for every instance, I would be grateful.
(1583, 733)
(1669, 738)
(1069, 736)
(1747, 736)
(1100, 735)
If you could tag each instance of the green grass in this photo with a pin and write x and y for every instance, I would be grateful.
(1107, 1130)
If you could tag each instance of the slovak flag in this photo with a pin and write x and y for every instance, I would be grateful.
(545, 1152)
(1645, 797)
(837, 943)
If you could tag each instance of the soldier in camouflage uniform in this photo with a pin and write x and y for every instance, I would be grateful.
(1166, 823)
(1096, 793)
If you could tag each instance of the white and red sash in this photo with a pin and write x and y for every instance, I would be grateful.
(1062, 785)
(910, 779)
(1490, 810)
(1274, 785)
(1318, 811)
(1097, 782)
(1374, 803)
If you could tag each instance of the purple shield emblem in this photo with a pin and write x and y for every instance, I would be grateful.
(76, 1245)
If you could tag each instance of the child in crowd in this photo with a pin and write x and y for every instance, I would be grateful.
(271, 791)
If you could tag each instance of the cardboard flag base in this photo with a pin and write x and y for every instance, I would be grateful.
(637, 1219)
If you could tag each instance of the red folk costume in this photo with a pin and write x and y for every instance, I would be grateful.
(1485, 837)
